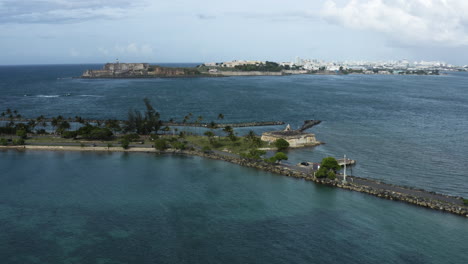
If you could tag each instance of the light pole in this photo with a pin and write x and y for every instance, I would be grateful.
(344, 171)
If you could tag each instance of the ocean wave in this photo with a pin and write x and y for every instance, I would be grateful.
(47, 96)
(90, 95)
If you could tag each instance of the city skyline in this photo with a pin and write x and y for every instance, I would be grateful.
(58, 32)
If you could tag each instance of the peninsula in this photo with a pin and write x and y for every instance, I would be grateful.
(259, 68)
(145, 132)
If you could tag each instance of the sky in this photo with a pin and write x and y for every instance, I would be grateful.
(99, 31)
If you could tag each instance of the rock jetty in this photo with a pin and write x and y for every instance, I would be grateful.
(430, 200)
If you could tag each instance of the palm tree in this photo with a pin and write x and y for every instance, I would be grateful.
(212, 125)
(79, 119)
(32, 124)
(220, 116)
(41, 121)
(228, 129)
(62, 126)
(210, 136)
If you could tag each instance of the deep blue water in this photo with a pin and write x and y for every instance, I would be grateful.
(116, 208)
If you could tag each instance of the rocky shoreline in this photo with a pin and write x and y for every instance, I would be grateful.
(164, 123)
(425, 199)
(430, 200)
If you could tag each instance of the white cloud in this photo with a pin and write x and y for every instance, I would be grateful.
(131, 49)
(59, 11)
(103, 51)
(74, 52)
(410, 22)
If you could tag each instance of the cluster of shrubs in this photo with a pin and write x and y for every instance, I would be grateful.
(328, 168)
(14, 142)
(163, 144)
(90, 132)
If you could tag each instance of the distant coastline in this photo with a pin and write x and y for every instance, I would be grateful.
(145, 70)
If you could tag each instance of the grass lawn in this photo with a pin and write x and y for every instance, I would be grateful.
(223, 143)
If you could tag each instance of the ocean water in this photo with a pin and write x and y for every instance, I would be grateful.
(71, 207)
(59, 207)
(407, 130)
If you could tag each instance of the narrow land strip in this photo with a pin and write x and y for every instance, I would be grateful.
(408, 195)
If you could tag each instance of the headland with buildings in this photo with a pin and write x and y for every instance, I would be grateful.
(268, 68)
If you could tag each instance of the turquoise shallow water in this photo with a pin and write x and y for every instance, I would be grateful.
(67, 207)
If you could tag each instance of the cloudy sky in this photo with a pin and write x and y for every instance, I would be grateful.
(98, 31)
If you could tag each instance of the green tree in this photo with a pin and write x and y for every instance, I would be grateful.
(330, 163)
(166, 129)
(96, 133)
(3, 141)
(69, 134)
(99, 133)
(254, 154)
(230, 133)
(22, 133)
(212, 125)
(220, 116)
(62, 126)
(228, 129)
(210, 136)
(328, 168)
(281, 144)
(143, 123)
(278, 157)
(253, 140)
(18, 141)
(125, 143)
(178, 145)
(321, 173)
(32, 125)
(78, 119)
(41, 121)
(160, 144)
(113, 125)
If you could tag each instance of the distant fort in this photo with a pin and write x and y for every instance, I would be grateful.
(139, 70)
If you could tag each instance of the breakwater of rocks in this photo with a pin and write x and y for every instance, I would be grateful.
(221, 125)
(430, 200)
(164, 123)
